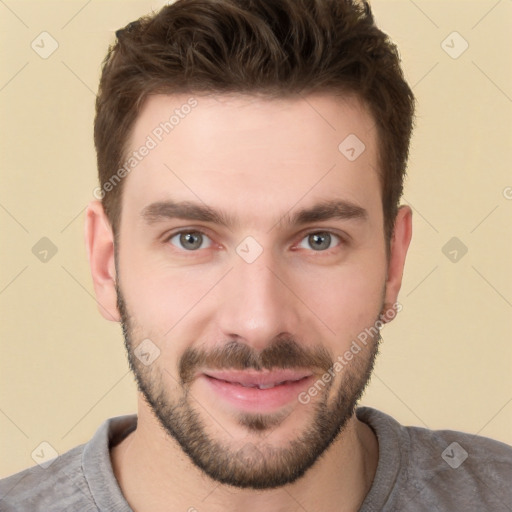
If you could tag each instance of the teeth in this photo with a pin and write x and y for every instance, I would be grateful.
(267, 386)
(263, 386)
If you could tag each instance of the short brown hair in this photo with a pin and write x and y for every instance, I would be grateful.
(277, 48)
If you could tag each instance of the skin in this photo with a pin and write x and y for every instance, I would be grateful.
(256, 159)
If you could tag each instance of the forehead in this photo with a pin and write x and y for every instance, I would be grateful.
(251, 154)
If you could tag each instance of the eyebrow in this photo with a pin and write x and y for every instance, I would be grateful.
(188, 210)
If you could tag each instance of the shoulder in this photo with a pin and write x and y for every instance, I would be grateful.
(58, 486)
(81, 479)
(482, 467)
(443, 469)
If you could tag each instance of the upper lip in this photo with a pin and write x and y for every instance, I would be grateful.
(258, 378)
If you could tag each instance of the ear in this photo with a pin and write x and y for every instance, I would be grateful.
(401, 238)
(99, 242)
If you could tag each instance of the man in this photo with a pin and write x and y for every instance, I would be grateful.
(248, 237)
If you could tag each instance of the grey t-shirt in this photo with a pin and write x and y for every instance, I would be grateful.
(418, 470)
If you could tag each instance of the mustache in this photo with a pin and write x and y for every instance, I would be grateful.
(282, 353)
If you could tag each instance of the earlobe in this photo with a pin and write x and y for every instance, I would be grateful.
(401, 239)
(99, 242)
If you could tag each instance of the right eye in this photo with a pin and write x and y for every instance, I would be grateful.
(190, 240)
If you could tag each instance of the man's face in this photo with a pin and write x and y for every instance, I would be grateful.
(247, 317)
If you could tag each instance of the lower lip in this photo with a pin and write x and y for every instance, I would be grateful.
(255, 399)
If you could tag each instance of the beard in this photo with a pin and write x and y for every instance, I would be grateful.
(256, 465)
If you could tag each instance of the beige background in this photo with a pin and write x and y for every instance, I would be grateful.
(446, 361)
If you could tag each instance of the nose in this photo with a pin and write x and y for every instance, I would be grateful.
(256, 302)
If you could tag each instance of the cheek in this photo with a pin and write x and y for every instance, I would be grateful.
(158, 295)
(160, 303)
(347, 299)
(167, 305)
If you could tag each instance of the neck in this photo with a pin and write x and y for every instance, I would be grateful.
(156, 475)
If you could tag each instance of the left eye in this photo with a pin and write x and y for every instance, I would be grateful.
(320, 241)
(190, 240)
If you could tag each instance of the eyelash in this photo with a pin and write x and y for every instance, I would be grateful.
(168, 239)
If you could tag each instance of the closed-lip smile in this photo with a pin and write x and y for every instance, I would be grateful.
(258, 391)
